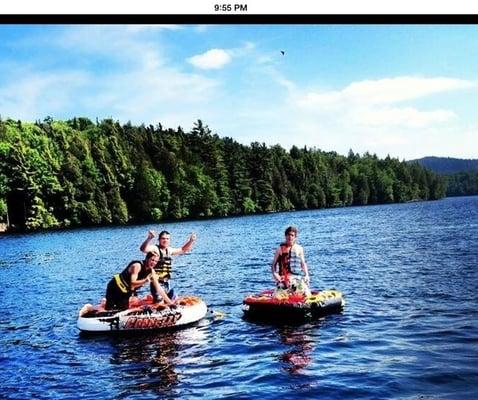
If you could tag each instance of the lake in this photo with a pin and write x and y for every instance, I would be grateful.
(409, 330)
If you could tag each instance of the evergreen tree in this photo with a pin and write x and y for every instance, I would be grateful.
(76, 172)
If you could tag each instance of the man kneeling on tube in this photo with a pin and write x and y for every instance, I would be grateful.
(123, 285)
(285, 265)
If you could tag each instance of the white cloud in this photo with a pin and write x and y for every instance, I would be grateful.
(211, 59)
(280, 79)
(393, 116)
(35, 95)
(218, 58)
(136, 81)
(375, 102)
(403, 88)
(384, 116)
(156, 94)
(383, 91)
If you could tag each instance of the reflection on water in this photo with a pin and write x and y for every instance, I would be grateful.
(148, 362)
(144, 362)
(301, 346)
(155, 356)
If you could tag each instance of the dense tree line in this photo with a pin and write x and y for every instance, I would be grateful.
(77, 173)
(462, 184)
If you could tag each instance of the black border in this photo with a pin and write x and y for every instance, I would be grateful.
(381, 19)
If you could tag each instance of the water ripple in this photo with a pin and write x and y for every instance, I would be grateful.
(409, 329)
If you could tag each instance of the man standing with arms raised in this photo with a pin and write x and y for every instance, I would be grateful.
(164, 266)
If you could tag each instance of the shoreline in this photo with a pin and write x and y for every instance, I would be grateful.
(8, 232)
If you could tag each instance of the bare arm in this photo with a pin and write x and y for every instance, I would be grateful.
(186, 246)
(159, 288)
(146, 246)
(275, 274)
(135, 282)
(304, 267)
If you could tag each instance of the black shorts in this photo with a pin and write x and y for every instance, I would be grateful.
(116, 299)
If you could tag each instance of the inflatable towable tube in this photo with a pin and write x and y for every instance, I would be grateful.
(142, 315)
(270, 305)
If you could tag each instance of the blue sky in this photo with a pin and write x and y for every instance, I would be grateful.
(404, 90)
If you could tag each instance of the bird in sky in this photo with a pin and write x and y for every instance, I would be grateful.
(282, 52)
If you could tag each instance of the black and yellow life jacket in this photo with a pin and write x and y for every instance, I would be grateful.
(123, 279)
(164, 267)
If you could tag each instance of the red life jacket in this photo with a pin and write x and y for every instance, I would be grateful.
(288, 262)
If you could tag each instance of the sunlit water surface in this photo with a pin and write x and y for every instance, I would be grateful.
(409, 330)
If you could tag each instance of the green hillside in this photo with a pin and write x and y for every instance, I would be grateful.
(447, 165)
(78, 173)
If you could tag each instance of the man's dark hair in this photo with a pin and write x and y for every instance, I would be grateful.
(163, 233)
(150, 254)
(291, 229)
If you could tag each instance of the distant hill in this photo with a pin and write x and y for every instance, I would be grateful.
(447, 165)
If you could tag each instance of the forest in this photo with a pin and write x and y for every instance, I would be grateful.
(461, 174)
(59, 174)
(462, 184)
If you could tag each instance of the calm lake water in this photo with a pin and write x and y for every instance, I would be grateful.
(409, 330)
